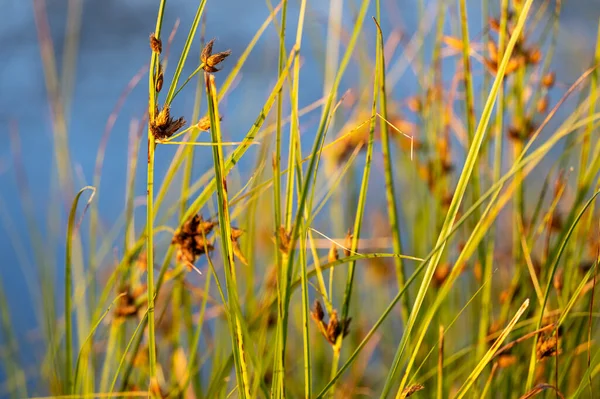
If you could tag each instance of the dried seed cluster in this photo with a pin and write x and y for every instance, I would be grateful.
(211, 60)
(408, 391)
(128, 304)
(155, 44)
(331, 330)
(547, 346)
(523, 55)
(163, 125)
(284, 240)
(192, 239)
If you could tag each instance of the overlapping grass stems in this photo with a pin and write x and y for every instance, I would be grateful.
(537, 334)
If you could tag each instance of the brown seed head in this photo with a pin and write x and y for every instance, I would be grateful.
(155, 44)
(506, 360)
(333, 253)
(204, 123)
(163, 126)
(494, 24)
(492, 51)
(211, 60)
(408, 391)
(159, 79)
(559, 279)
(333, 327)
(191, 239)
(533, 56)
(348, 244)
(441, 274)
(415, 104)
(548, 80)
(284, 240)
(542, 105)
(547, 346)
(317, 313)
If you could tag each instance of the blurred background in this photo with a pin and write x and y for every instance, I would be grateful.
(100, 49)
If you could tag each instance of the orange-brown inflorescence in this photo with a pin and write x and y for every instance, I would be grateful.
(334, 328)
(408, 391)
(547, 346)
(163, 126)
(159, 79)
(211, 60)
(155, 44)
(192, 239)
(129, 304)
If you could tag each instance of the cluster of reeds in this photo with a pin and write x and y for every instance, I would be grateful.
(442, 255)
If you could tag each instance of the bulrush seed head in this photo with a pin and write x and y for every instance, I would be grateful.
(547, 346)
(334, 328)
(211, 60)
(237, 250)
(333, 253)
(548, 80)
(163, 126)
(408, 391)
(348, 243)
(159, 79)
(204, 123)
(191, 239)
(284, 240)
(155, 44)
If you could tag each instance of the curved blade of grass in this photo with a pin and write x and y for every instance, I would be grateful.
(461, 187)
(69, 287)
(154, 62)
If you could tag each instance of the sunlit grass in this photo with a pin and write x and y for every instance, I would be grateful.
(458, 275)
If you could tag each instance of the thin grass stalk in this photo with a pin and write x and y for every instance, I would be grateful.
(279, 383)
(486, 297)
(294, 157)
(457, 198)
(390, 191)
(184, 53)
(318, 142)
(154, 59)
(469, 98)
(305, 321)
(226, 244)
(440, 364)
(362, 198)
